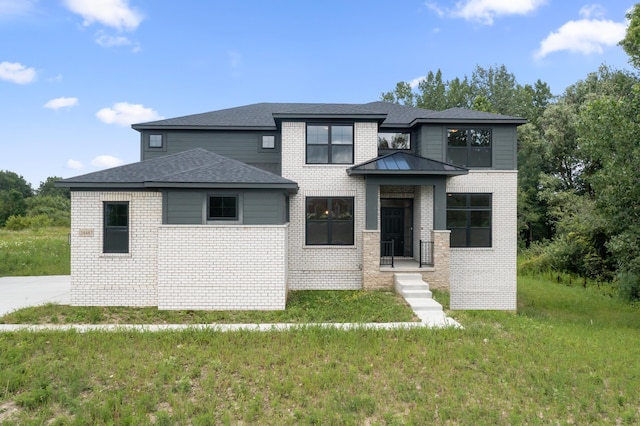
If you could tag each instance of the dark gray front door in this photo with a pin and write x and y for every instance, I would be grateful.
(392, 224)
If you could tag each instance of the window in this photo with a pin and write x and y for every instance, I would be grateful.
(394, 141)
(223, 207)
(469, 147)
(329, 144)
(155, 141)
(469, 219)
(329, 221)
(268, 142)
(116, 227)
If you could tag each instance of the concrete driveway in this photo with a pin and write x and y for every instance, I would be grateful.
(20, 292)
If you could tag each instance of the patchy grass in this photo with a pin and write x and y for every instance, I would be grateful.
(568, 357)
(43, 251)
(302, 307)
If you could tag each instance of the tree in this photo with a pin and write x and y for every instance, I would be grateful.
(631, 42)
(10, 180)
(48, 188)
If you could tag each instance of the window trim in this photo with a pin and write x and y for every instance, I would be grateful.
(329, 143)
(219, 220)
(469, 147)
(267, 148)
(163, 144)
(468, 208)
(329, 221)
(106, 248)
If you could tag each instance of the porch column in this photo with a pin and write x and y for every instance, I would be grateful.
(439, 204)
(371, 222)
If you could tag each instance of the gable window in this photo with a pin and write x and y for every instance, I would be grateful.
(469, 219)
(156, 141)
(329, 221)
(469, 147)
(116, 227)
(223, 207)
(394, 141)
(329, 144)
(268, 142)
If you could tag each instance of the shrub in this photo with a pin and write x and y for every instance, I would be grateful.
(629, 286)
(18, 223)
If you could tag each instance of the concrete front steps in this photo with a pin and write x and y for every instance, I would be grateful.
(417, 294)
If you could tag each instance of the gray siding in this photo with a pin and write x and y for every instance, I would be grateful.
(243, 146)
(433, 144)
(184, 207)
(264, 208)
(504, 148)
(258, 207)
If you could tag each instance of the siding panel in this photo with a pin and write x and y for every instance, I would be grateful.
(184, 207)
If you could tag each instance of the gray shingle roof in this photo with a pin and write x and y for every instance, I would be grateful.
(264, 115)
(405, 163)
(196, 168)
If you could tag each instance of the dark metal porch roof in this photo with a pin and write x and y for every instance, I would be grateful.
(404, 163)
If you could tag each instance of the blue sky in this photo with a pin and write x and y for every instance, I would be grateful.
(75, 74)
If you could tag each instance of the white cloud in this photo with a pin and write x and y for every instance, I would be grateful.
(485, 11)
(61, 103)
(416, 81)
(125, 114)
(15, 7)
(111, 13)
(17, 73)
(584, 36)
(106, 40)
(592, 11)
(75, 164)
(106, 161)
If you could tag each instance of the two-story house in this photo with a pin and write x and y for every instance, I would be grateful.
(230, 209)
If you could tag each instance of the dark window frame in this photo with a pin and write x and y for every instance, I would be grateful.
(329, 143)
(112, 241)
(223, 218)
(470, 210)
(332, 223)
(469, 147)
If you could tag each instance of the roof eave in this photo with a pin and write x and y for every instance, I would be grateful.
(331, 116)
(515, 121)
(407, 172)
(140, 127)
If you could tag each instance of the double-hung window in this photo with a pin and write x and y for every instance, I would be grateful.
(469, 219)
(329, 144)
(329, 221)
(116, 227)
(469, 147)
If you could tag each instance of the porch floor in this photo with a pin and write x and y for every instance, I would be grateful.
(406, 264)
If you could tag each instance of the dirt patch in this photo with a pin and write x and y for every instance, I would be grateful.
(7, 410)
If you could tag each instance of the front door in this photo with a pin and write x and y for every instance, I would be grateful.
(392, 224)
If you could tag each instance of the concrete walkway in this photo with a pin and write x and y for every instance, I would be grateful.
(20, 292)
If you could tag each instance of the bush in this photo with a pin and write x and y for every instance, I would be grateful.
(57, 208)
(629, 286)
(18, 223)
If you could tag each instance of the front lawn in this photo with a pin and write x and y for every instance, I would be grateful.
(570, 356)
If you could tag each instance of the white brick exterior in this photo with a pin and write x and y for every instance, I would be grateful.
(110, 279)
(222, 267)
(325, 267)
(485, 278)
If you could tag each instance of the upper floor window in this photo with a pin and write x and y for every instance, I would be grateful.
(394, 140)
(469, 147)
(329, 144)
(469, 219)
(268, 142)
(156, 141)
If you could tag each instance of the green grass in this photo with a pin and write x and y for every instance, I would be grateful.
(42, 251)
(302, 307)
(570, 356)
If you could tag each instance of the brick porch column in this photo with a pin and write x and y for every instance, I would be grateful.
(372, 279)
(440, 278)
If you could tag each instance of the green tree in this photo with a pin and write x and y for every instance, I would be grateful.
(48, 188)
(10, 180)
(631, 42)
